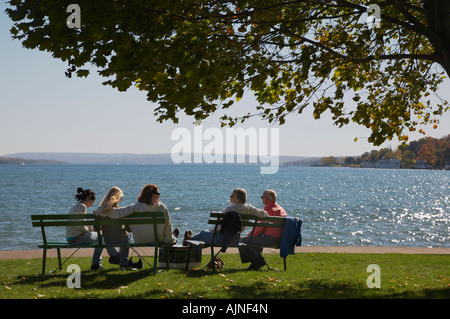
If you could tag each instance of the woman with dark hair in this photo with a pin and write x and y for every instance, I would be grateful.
(81, 235)
(148, 201)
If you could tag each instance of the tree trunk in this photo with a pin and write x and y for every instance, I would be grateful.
(437, 13)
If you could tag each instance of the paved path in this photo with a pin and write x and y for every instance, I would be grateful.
(27, 254)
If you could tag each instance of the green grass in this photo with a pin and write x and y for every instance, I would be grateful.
(318, 275)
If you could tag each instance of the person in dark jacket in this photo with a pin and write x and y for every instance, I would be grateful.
(238, 203)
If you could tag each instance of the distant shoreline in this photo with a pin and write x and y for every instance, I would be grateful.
(128, 159)
(22, 161)
(56, 163)
(119, 159)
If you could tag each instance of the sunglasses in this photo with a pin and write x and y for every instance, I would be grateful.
(156, 192)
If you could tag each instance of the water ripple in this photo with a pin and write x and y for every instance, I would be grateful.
(339, 206)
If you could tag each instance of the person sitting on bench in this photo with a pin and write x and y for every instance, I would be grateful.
(262, 236)
(148, 201)
(116, 234)
(81, 235)
(238, 200)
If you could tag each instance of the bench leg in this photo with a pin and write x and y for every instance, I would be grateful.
(44, 258)
(284, 259)
(212, 258)
(167, 259)
(155, 260)
(188, 257)
(59, 258)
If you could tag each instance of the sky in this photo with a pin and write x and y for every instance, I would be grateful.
(41, 110)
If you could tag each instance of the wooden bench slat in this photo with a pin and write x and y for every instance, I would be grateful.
(92, 216)
(215, 215)
(251, 224)
(62, 216)
(63, 223)
(131, 221)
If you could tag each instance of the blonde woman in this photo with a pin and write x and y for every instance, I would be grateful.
(148, 201)
(112, 198)
(115, 234)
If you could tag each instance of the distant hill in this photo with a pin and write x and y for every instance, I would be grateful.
(113, 159)
(98, 158)
(22, 161)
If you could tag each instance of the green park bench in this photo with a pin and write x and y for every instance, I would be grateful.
(64, 220)
(217, 218)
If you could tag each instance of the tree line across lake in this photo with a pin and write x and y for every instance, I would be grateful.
(435, 152)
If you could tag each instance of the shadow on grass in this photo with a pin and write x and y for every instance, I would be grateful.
(253, 288)
(427, 293)
(313, 289)
(322, 289)
(103, 279)
(208, 272)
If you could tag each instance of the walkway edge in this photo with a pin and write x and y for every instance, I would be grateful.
(37, 253)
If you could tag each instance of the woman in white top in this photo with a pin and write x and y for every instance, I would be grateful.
(81, 235)
(148, 201)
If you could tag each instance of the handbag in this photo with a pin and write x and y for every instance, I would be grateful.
(218, 263)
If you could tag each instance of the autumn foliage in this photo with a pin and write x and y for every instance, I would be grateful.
(435, 152)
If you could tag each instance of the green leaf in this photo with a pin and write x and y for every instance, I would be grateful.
(82, 73)
(287, 54)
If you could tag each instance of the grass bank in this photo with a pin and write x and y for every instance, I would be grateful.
(309, 275)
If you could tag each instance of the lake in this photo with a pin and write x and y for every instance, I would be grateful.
(339, 206)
